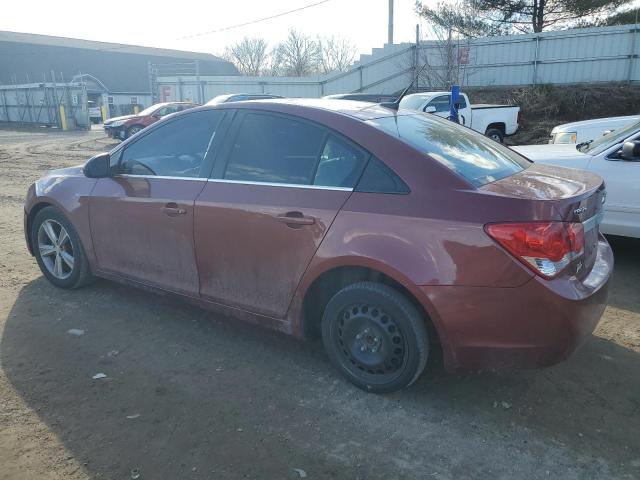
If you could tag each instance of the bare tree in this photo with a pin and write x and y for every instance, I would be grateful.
(448, 57)
(516, 16)
(298, 55)
(336, 54)
(249, 55)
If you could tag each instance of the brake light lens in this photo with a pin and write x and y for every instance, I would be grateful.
(545, 247)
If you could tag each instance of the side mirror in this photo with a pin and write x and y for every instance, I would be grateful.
(631, 151)
(429, 109)
(98, 166)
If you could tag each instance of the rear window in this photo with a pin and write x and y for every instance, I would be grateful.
(471, 155)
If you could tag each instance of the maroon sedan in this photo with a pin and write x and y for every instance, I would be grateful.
(127, 125)
(386, 233)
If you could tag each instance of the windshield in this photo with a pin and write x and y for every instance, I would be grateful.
(600, 144)
(149, 110)
(219, 99)
(475, 157)
(412, 102)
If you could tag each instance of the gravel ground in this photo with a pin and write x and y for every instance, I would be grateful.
(191, 395)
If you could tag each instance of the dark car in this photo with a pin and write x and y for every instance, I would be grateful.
(241, 97)
(363, 97)
(392, 235)
(127, 125)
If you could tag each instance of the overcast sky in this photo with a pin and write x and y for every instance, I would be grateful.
(163, 23)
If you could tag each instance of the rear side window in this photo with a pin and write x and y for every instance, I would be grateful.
(340, 165)
(280, 149)
(275, 149)
(378, 178)
(469, 154)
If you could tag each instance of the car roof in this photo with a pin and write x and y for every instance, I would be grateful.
(353, 108)
(164, 104)
(428, 94)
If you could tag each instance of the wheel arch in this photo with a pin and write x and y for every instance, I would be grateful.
(498, 125)
(319, 287)
(44, 202)
(31, 214)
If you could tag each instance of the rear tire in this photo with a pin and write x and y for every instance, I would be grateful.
(58, 251)
(495, 134)
(375, 337)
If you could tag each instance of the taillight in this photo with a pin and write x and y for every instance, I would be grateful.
(545, 247)
(520, 118)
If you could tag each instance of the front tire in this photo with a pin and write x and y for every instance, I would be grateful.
(133, 130)
(375, 337)
(58, 251)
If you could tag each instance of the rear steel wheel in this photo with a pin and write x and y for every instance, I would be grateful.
(375, 336)
(371, 341)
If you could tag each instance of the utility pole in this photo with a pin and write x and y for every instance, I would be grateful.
(390, 37)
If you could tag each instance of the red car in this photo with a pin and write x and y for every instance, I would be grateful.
(127, 125)
(386, 233)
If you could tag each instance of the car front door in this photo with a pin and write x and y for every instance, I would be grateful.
(142, 216)
(622, 179)
(274, 193)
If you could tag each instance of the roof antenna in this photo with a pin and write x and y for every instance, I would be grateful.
(396, 103)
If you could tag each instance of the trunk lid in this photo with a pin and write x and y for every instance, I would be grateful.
(576, 195)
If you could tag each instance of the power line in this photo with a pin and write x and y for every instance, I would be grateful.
(231, 27)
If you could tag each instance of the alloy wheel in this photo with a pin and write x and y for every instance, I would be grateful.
(55, 249)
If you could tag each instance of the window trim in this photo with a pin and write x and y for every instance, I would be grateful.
(222, 160)
(213, 148)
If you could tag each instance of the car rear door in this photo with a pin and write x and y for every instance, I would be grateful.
(141, 217)
(274, 193)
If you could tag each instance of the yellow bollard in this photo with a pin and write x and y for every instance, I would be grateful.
(136, 109)
(63, 118)
(103, 110)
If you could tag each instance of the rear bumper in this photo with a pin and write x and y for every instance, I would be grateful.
(535, 325)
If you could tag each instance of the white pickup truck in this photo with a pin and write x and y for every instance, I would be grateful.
(494, 121)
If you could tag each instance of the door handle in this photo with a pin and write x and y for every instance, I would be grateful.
(295, 218)
(172, 209)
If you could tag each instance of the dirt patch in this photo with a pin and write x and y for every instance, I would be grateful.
(191, 395)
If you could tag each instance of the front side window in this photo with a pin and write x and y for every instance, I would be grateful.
(164, 111)
(469, 154)
(441, 104)
(275, 149)
(176, 149)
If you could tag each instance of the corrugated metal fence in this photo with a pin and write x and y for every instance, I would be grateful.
(39, 103)
(589, 55)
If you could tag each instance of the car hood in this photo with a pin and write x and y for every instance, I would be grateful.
(117, 119)
(550, 153)
(607, 123)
